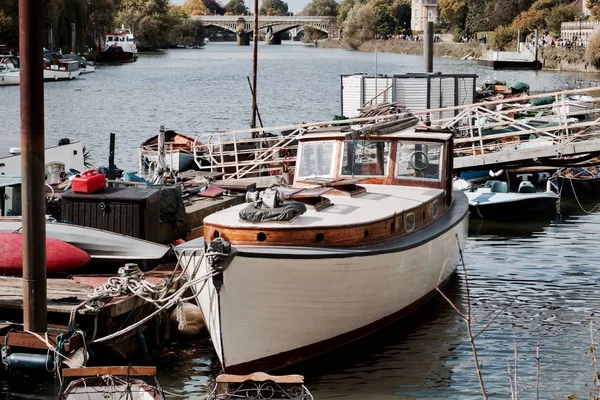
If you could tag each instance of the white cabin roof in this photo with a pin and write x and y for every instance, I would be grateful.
(378, 203)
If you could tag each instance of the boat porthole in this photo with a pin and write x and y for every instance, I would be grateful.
(435, 209)
(261, 237)
(320, 237)
(216, 234)
(410, 222)
(366, 233)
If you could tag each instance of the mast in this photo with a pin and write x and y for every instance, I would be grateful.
(32, 164)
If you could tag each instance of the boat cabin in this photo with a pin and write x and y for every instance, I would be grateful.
(351, 188)
(121, 38)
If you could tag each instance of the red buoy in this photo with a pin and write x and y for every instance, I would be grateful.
(60, 256)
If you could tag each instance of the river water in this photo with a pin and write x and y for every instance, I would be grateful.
(541, 278)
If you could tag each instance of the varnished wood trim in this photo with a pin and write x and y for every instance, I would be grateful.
(338, 236)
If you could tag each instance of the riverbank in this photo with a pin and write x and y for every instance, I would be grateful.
(440, 49)
(556, 59)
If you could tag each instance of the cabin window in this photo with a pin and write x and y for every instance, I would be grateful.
(316, 159)
(419, 160)
(365, 158)
(130, 39)
(109, 38)
(122, 39)
(410, 222)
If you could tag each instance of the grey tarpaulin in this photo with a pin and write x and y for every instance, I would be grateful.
(255, 212)
(172, 209)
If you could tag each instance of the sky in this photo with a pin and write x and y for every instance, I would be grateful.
(294, 6)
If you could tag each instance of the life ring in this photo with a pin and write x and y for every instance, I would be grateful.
(422, 164)
(495, 174)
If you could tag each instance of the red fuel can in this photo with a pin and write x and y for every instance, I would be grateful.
(88, 182)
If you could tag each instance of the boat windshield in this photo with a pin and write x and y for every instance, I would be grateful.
(316, 159)
(419, 160)
(365, 158)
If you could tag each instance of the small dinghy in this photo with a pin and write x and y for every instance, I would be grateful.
(99, 244)
(179, 153)
(494, 201)
(60, 256)
(110, 383)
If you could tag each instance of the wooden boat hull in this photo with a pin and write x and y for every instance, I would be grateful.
(277, 306)
(99, 244)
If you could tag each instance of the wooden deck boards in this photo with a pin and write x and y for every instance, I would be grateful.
(62, 294)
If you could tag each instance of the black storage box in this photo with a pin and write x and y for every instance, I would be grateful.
(129, 211)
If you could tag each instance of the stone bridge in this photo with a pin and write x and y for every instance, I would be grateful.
(273, 26)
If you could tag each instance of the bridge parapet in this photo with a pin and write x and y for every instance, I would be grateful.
(245, 24)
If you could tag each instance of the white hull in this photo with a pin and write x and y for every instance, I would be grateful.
(270, 308)
(99, 244)
(58, 75)
(88, 69)
(176, 161)
(10, 78)
(71, 155)
(574, 105)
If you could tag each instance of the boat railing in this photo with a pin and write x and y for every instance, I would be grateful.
(247, 152)
(482, 132)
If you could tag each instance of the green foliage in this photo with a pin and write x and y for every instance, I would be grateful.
(530, 20)
(592, 53)
(503, 37)
(559, 14)
(400, 10)
(195, 7)
(214, 7)
(385, 23)
(345, 8)
(327, 8)
(273, 7)
(149, 20)
(236, 7)
(187, 32)
(359, 26)
(455, 12)
(9, 24)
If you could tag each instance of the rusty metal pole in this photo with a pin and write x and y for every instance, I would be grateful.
(31, 38)
(254, 65)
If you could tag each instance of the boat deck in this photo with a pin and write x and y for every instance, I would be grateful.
(378, 203)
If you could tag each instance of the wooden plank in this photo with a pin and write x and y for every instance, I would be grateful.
(260, 377)
(27, 340)
(99, 371)
(513, 156)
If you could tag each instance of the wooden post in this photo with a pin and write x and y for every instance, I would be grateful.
(428, 46)
(111, 157)
(31, 38)
(73, 39)
(254, 66)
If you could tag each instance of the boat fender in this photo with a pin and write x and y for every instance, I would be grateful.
(496, 174)
(64, 141)
(30, 360)
(188, 318)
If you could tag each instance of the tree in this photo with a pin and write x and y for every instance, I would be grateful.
(400, 10)
(476, 20)
(560, 14)
(150, 19)
(195, 7)
(530, 20)
(327, 8)
(236, 7)
(385, 23)
(455, 13)
(214, 7)
(187, 32)
(503, 37)
(276, 7)
(359, 26)
(9, 24)
(345, 8)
